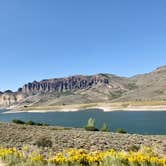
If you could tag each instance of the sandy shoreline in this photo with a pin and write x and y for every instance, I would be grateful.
(104, 108)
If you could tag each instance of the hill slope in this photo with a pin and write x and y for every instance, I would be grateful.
(89, 89)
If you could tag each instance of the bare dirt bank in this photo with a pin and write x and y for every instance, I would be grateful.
(116, 106)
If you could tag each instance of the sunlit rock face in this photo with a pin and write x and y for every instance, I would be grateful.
(9, 98)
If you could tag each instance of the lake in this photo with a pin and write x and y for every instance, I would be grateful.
(140, 122)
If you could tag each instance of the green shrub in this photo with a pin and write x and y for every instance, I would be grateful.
(120, 130)
(30, 123)
(44, 142)
(91, 122)
(91, 125)
(105, 128)
(90, 128)
(17, 121)
(39, 124)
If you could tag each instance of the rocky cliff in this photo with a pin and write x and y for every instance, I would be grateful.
(64, 84)
(9, 98)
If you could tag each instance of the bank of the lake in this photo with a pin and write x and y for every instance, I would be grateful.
(14, 135)
(107, 107)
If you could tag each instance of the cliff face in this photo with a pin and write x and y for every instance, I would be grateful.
(10, 98)
(32, 92)
(64, 84)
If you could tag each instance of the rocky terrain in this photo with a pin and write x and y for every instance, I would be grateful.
(88, 89)
(18, 135)
(8, 98)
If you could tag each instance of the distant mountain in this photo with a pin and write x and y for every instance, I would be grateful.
(89, 89)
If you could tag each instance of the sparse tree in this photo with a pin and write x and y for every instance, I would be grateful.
(91, 122)
(91, 125)
(105, 127)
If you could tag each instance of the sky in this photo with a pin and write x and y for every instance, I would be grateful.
(42, 39)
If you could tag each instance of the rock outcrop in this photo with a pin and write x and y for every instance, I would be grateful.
(51, 86)
(9, 98)
(64, 84)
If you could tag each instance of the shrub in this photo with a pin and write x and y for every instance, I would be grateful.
(105, 128)
(91, 122)
(91, 125)
(133, 148)
(30, 123)
(37, 124)
(45, 124)
(90, 128)
(120, 130)
(17, 121)
(44, 142)
(132, 86)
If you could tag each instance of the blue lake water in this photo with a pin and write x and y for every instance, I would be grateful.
(143, 122)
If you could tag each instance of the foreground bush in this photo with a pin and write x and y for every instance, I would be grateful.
(79, 157)
(43, 142)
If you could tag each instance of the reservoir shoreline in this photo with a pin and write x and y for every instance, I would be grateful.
(75, 108)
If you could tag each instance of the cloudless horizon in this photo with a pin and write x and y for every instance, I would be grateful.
(48, 39)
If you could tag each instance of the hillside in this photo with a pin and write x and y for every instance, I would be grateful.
(89, 89)
(149, 86)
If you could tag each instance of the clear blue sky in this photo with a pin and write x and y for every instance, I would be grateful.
(53, 38)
